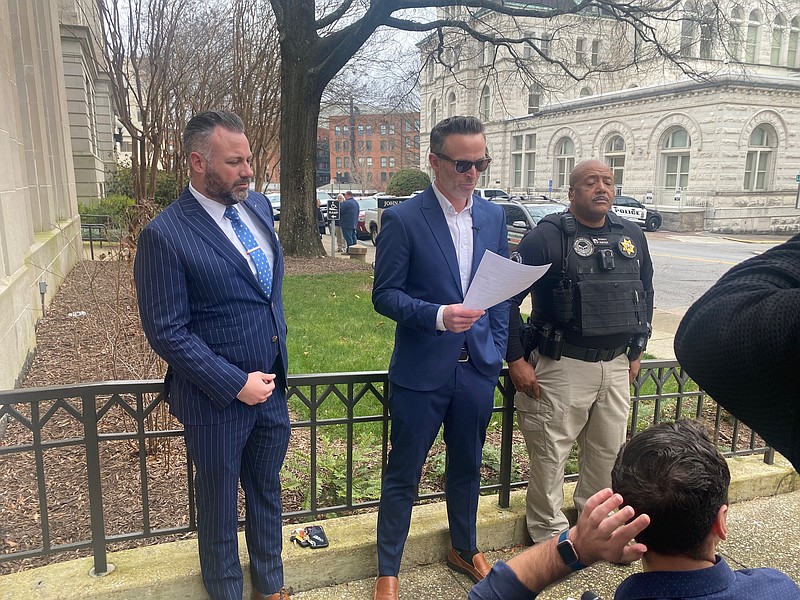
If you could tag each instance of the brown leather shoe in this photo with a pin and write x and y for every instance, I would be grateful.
(386, 588)
(281, 595)
(476, 570)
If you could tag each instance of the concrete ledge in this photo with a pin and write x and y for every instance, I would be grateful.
(358, 253)
(171, 571)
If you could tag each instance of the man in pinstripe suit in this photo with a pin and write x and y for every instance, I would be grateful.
(208, 281)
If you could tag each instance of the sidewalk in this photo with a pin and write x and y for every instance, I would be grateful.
(763, 532)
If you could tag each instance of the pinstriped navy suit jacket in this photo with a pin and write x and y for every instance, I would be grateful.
(416, 271)
(204, 312)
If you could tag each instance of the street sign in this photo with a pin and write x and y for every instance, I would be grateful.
(333, 210)
(797, 178)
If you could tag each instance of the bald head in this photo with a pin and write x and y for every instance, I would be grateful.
(591, 192)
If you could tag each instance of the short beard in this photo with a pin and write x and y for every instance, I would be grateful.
(226, 197)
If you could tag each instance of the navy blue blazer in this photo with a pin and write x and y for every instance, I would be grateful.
(416, 271)
(204, 312)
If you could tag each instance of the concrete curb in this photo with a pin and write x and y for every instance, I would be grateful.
(171, 571)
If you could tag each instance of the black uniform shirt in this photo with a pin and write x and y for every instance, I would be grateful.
(544, 244)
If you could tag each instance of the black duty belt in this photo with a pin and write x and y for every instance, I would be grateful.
(592, 354)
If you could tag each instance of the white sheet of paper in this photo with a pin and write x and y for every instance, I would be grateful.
(498, 279)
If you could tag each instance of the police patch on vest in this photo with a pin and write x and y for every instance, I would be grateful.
(516, 257)
(583, 247)
(627, 247)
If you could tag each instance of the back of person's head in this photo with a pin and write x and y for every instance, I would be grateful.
(451, 126)
(200, 127)
(673, 473)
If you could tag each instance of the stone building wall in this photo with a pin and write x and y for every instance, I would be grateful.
(39, 226)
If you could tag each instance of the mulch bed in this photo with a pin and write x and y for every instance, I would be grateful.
(91, 332)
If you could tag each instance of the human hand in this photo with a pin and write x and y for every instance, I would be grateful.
(458, 319)
(524, 377)
(257, 388)
(601, 534)
(633, 369)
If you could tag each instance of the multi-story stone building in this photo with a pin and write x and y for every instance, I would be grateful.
(717, 151)
(367, 149)
(91, 112)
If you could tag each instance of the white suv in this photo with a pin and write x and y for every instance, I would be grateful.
(491, 193)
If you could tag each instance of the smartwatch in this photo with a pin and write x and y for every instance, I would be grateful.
(567, 552)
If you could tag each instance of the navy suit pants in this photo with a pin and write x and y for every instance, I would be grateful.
(463, 405)
(249, 450)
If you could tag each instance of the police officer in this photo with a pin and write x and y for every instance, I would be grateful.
(590, 322)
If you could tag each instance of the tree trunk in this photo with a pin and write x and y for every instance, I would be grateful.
(300, 102)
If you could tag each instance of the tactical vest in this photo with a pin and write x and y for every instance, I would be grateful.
(600, 291)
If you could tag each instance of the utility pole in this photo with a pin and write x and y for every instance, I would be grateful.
(352, 140)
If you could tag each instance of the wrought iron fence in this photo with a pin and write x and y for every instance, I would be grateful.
(116, 445)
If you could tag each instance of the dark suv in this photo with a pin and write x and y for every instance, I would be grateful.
(633, 210)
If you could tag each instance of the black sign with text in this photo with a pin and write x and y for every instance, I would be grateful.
(333, 210)
(388, 201)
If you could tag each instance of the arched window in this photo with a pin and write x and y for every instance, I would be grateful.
(434, 113)
(674, 150)
(565, 161)
(586, 91)
(614, 153)
(753, 37)
(451, 104)
(534, 98)
(485, 108)
(760, 157)
(794, 43)
(776, 49)
(736, 34)
(689, 29)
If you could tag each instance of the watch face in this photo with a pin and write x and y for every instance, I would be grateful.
(567, 552)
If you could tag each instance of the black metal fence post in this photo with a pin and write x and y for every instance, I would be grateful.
(89, 411)
(506, 445)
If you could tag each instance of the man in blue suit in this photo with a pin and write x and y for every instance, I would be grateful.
(208, 275)
(446, 357)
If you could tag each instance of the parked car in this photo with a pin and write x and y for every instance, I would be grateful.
(491, 193)
(371, 221)
(632, 209)
(364, 205)
(275, 200)
(323, 198)
(521, 217)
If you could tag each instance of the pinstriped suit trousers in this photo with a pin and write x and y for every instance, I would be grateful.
(224, 454)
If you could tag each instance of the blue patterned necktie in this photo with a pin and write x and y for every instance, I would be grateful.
(254, 251)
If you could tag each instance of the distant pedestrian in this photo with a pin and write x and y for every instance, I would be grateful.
(341, 246)
(348, 217)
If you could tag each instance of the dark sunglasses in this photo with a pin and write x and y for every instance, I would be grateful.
(462, 166)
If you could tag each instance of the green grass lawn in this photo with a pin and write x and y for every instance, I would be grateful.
(332, 325)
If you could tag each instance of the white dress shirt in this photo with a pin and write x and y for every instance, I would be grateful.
(460, 226)
(217, 212)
